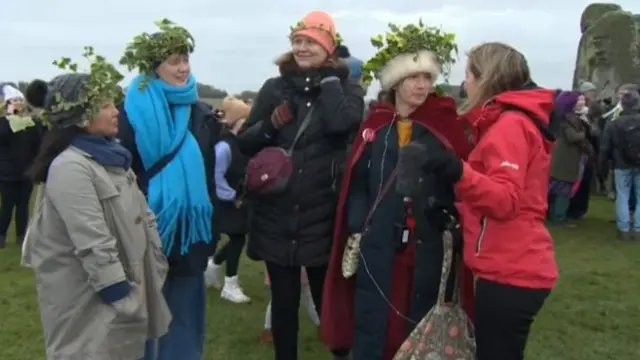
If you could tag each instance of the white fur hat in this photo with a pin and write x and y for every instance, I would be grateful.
(11, 93)
(405, 65)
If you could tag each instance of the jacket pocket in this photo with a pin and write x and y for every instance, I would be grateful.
(125, 334)
(480, 238)
(132, 308)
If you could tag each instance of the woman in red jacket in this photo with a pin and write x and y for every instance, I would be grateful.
(503, 192)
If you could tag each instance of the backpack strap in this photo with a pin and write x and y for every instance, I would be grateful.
(542, 127)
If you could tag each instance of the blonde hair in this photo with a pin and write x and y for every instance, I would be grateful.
(234, 109)
(497, 68)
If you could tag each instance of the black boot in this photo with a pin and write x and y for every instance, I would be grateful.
(3, 241)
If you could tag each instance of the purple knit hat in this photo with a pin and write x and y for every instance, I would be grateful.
(566, 101)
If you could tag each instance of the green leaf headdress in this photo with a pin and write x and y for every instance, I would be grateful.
(146, 51)
(75, 98)
(411, 39)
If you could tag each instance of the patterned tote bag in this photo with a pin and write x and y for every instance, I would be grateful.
(445, 333)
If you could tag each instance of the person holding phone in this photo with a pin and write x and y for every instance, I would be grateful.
(19, 143)
(229, 177)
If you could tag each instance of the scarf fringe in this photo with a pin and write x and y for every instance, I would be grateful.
(190, 222)
(198, 231)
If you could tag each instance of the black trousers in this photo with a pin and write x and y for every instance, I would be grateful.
(285, 301)
(230, 253)
(15, 196)
(580, 202)
(504, 315)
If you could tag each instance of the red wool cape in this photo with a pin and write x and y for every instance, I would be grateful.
(337, 323)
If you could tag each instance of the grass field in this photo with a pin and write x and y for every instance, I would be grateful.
(594, 314)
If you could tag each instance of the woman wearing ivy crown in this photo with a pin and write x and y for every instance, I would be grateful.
(293, 228)
(373, 307)
(93, 243)
(172, 138)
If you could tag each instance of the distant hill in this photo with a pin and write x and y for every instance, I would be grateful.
(453, 91)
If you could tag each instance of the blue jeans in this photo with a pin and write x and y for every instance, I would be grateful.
(185, 296)
(558, 206)
(627, 187)
(150, 350)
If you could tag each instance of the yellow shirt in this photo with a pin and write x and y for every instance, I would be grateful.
(405, 129)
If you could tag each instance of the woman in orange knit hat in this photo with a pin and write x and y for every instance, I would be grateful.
(292, 228)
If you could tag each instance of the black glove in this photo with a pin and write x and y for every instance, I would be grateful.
(437, 218)
(444, 164)
(440, 215)
(328, 71)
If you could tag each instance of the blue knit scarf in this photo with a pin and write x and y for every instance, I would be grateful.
(106, 151)
(159, 115)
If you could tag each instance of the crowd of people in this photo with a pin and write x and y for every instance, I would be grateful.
(596, 137)
(345, 204)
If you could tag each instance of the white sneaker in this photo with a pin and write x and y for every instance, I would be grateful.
(213, 275)
(233, 292)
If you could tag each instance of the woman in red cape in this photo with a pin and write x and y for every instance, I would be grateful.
(396, 282)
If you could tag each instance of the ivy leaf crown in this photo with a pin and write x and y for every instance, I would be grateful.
(411, 39)
(145, 50)
(102, 85)
(300, 25)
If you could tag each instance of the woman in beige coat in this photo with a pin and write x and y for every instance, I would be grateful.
(93, 244)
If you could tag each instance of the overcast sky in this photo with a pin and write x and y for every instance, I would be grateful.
(236, 41)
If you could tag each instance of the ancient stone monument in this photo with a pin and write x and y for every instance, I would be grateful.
(609, 50)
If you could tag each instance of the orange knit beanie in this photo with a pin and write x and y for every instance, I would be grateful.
(319, 26)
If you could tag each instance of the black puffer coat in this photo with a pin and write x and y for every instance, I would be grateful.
(17, 150)
(295, 227)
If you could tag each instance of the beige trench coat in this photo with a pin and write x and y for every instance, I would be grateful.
(93, 229)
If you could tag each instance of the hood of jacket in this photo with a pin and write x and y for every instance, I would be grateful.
(536, 103)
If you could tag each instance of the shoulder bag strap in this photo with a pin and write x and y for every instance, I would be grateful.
(440, 137)
(146, 176)
(385, 189)
(303, 127)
